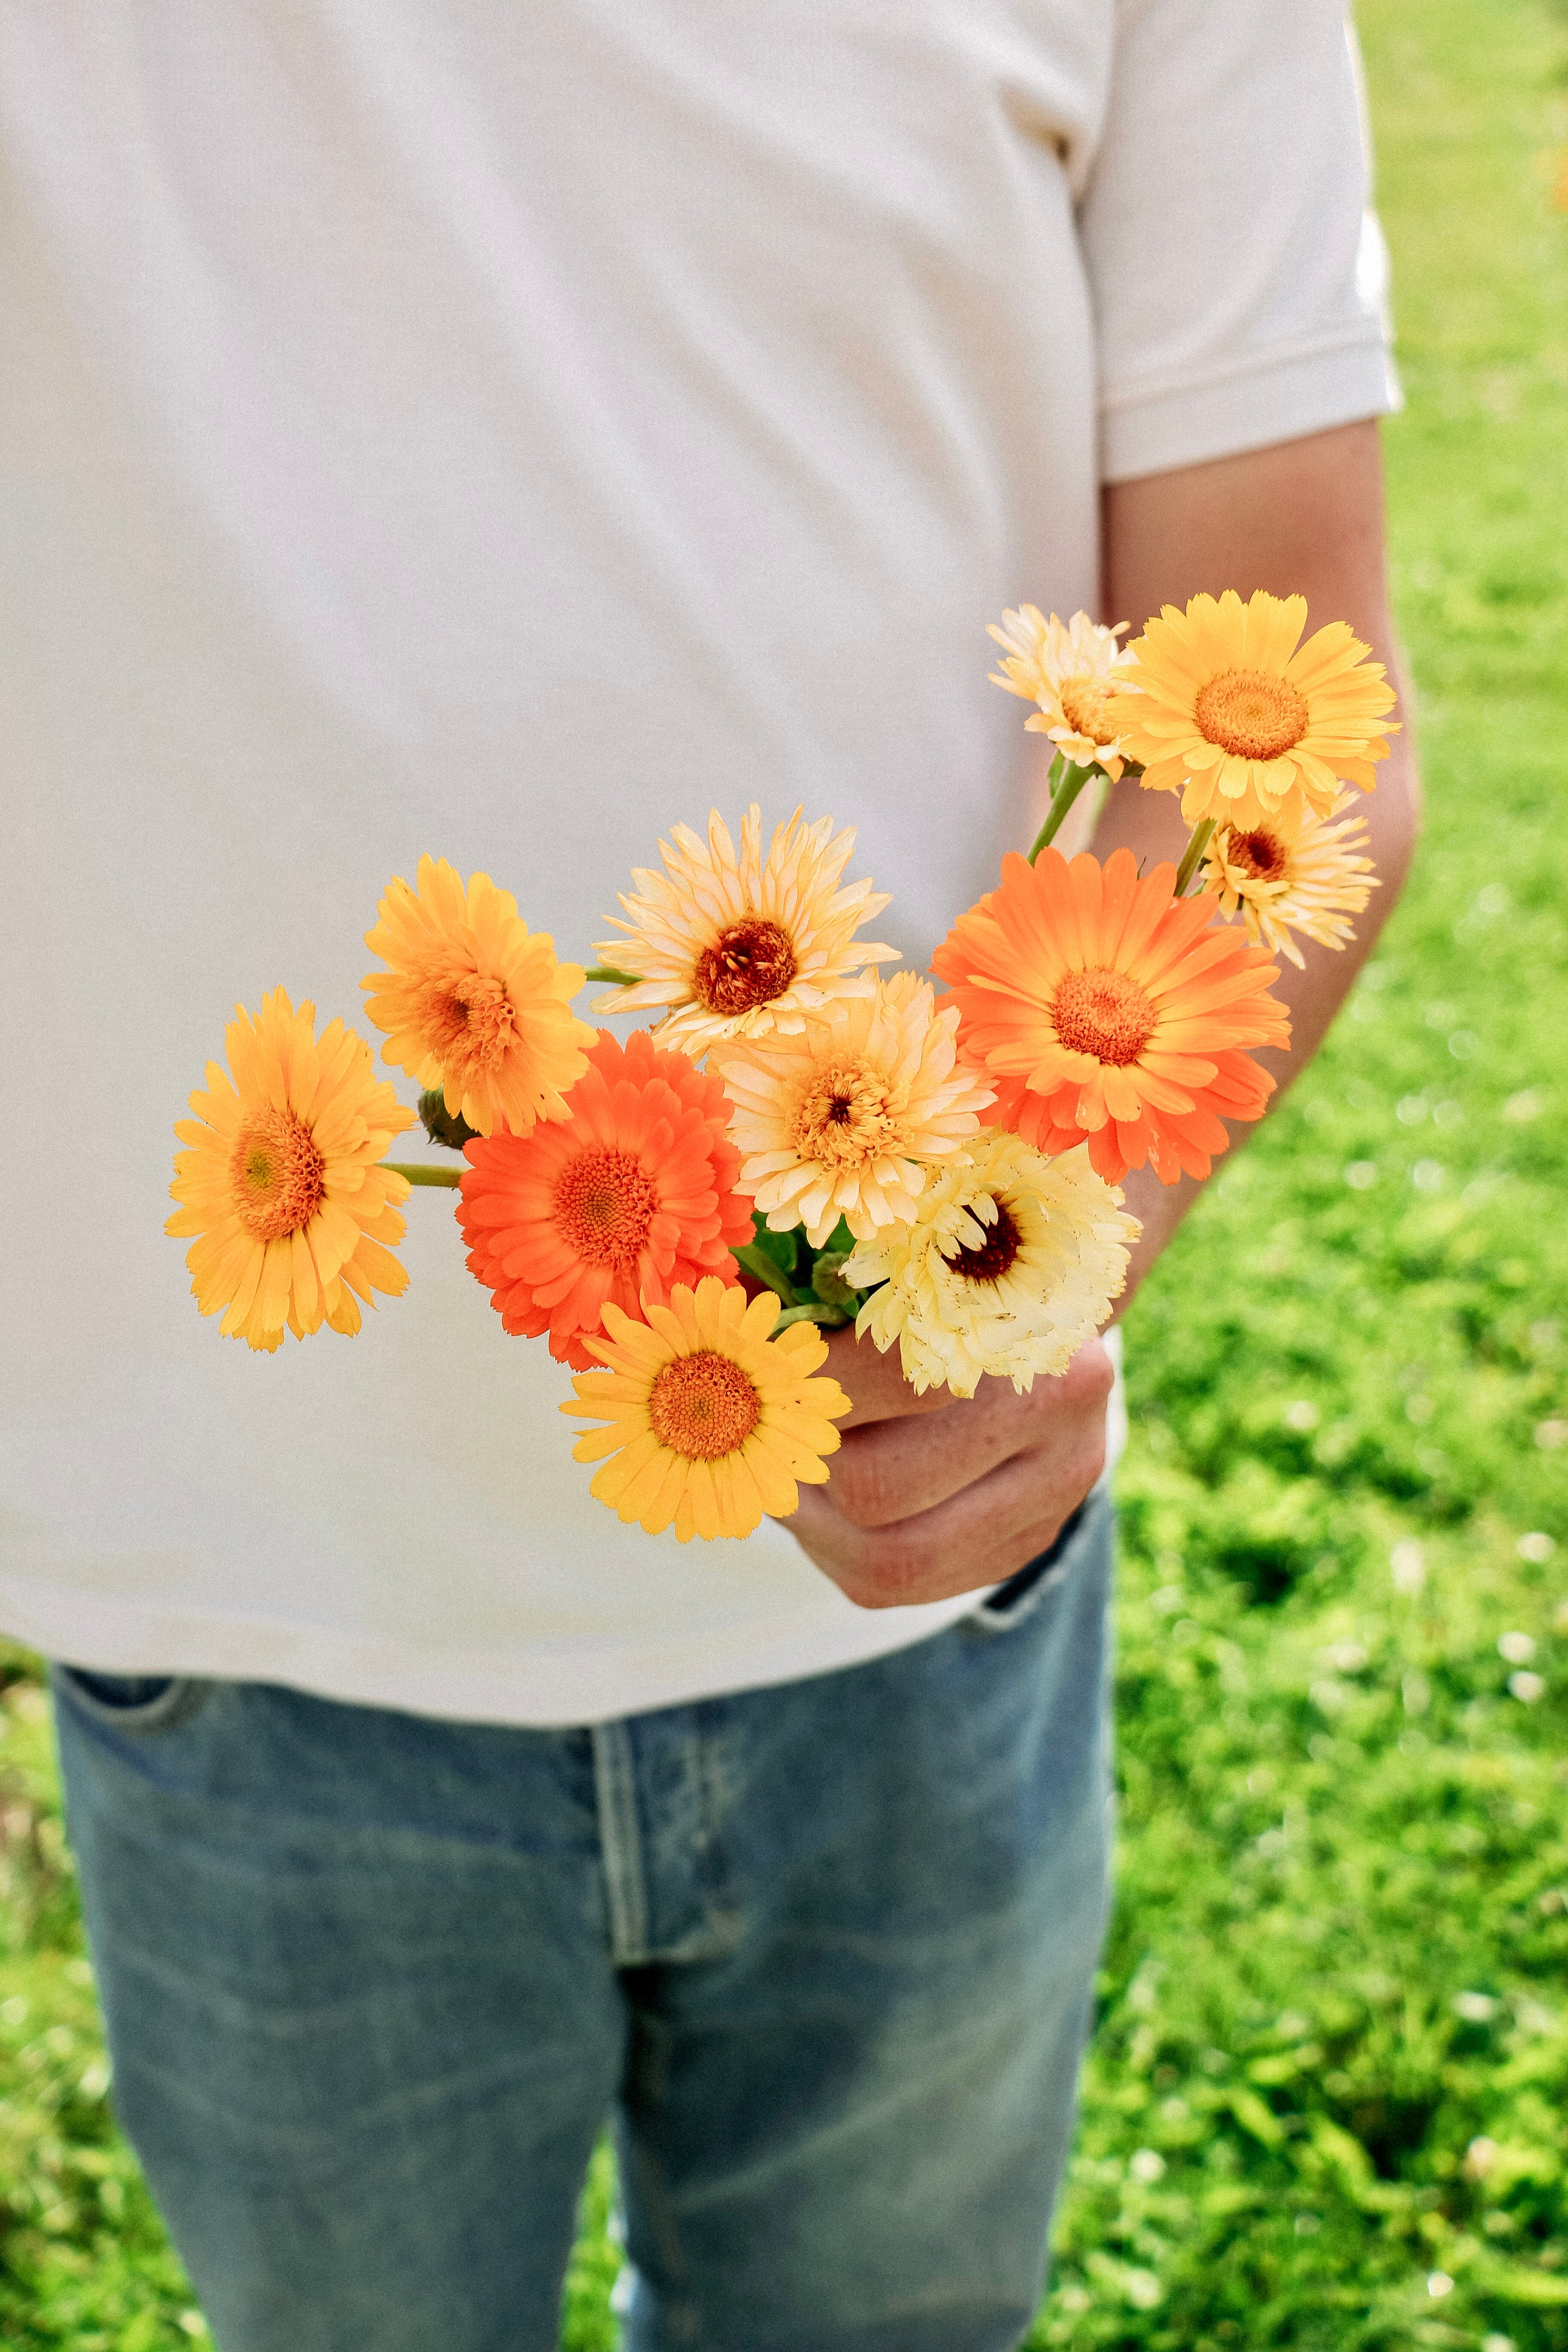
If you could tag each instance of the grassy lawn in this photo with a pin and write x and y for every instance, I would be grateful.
(1323, 2107)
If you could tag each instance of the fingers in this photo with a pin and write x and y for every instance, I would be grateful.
(876, 1382)
(972, 1540)
(893, 1470)
(1001, 1515)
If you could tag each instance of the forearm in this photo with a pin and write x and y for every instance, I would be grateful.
(1257, 521)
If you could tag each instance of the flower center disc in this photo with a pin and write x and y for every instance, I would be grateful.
(1086, 706)
(604, 1203)
(1103, 1013)
(844, 1116)
(1250, 714)
(1259, 856)
(703, 1406)
(468, 1023)
(991, 1261)
(277, 1173)
(747, 965)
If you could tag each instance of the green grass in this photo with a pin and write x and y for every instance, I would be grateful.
(1332, 2056)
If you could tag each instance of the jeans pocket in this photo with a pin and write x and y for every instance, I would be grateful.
(129, 1702)
(1014, 1603)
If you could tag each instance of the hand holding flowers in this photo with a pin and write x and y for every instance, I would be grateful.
(942, 1173)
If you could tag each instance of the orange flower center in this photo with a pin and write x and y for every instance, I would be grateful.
(991, 1261)
(703, 1406)
(467, 1022)
(1103, 1013)
(747, 965)
(1251, 714)
(1262, 856)
(845, 1115)
(279, 1177)
(1086, 707)
(604, 1204)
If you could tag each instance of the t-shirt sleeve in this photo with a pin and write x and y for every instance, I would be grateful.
(1239, 278)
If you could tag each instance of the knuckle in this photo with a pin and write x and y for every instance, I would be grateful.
(882, 1580)
(1092, 1374)
(862, 1490)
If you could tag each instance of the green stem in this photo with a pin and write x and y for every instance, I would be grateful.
(833, 1317)
(607, 972)
(758, 1263)
(421, 1172)
(1192, 854)
(1063, 795)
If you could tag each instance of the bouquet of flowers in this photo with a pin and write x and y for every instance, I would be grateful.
(801, 1142)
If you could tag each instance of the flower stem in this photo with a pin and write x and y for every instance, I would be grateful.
(1192, 854)
(832, 1317)
(1063, 795)
(421, 1172)
(758, 1263)
(607, 972)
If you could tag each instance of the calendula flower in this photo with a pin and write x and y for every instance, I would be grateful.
(1219, 706)
(279, 1183)
(632, 1192)
(1069, 668)
(1011, 1264)
(1310, 882)
(737, 945)
(841, 1118)
(474, 1002)
(709, 1421)
(1105, 1008)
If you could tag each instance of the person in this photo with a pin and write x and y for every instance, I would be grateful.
(507, 432)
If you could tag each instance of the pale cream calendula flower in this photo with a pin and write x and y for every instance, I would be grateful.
(731, 943)
(1310, 881)
(1010, 1264)
(846, 1116)
(1068, 668)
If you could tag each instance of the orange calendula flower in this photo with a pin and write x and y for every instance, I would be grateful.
(1311, 883)
(844, 1119)
(632, 1192)
(734, 944)
(709, 1421)
(1106, 1009)
(1221, 707)
(475, 1002)
(279, 1185)
(1069, 668)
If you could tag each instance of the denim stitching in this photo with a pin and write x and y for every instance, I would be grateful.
(620, 1842)
(174, 1704)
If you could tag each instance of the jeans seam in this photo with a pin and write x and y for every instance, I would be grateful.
(620, 1842)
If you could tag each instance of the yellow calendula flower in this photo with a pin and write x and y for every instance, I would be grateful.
(1310, 881)
(730, 943)
(474, 1002)
(1010, 1264)
(844, 1118)
(1220, 706)
(279, 1185)
(708, 1421)
(1069, 668)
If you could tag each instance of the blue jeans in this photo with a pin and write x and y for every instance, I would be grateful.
(373, 1981)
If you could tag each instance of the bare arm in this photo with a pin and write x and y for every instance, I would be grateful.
(933, 1495)
(1303, 519)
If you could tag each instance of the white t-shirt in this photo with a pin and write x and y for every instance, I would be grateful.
(507, 432)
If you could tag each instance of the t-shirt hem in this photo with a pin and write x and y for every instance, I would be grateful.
(1249, 403)
(553, 1688)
